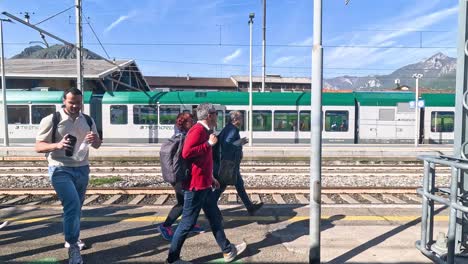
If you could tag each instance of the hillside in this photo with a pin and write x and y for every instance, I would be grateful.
(53, 52)
(439, 73)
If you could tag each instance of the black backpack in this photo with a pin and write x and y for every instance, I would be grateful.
(174, 168)
(56, 120)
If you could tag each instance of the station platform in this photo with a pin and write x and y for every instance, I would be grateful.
(277, 234)
(299, 151)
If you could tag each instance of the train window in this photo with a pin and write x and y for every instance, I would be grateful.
(442, 121)
(304, 121)
(145, 114)
(118, 115)
(386, 114)
(168, 114)
(40, 111)
(261, 120)
(336, 121)
(285, 120)
(228, 119)
(220, 120)
(18, 114)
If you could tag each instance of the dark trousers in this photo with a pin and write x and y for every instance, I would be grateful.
(194, 201)
(240, 188)
(176, 210)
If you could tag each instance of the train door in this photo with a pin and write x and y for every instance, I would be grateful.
(95, 106)
(221, 120)
(386, 125)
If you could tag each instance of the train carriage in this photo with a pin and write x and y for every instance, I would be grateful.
(438, 116)
(385, 117)
(278, 118)
(138, 117)
(25, 110)
(148, 117)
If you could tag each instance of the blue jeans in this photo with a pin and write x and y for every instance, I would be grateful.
(70, 185)
(194, 201)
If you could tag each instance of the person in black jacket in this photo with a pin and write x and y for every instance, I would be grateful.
(230, 144)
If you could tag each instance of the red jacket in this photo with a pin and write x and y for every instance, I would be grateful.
(199, 153)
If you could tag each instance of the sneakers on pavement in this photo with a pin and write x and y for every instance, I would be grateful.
(2, 225)
(166, 232)
(197, 229)
(80, 243)
(236, 250)
(74, 256)
(254, 208)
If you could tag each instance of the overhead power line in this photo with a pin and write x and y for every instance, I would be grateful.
(97, 38)
(61, 12)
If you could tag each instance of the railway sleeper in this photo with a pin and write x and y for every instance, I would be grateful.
(225, 199)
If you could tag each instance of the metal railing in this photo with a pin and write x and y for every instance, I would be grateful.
(446, 249)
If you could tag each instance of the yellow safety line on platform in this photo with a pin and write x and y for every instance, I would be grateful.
(352, 218)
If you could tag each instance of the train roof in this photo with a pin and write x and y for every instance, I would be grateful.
(383, 98)
(224, 98)
(39, 97)
(438, 99)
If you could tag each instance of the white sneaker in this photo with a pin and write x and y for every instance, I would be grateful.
(2, 225)
(236, 250)
(74, 256)
(80, 243)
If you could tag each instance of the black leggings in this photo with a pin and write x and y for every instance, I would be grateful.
(176, 211)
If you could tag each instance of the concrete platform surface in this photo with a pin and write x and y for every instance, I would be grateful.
(277, 234)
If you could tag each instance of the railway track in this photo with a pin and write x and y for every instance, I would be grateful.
(271, 182)
(165, 196)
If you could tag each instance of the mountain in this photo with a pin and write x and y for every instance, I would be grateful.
(54, 52)
(439, 73)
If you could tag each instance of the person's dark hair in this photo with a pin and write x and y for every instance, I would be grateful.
(181, 119)
(73, 91)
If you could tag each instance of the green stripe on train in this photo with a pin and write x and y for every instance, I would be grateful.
(225, 98)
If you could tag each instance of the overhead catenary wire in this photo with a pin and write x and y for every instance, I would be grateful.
(59, 13)
(97, 38)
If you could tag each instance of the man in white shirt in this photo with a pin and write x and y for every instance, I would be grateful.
(68, 175)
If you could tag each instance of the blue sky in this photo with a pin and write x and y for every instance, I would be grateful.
(211, 37)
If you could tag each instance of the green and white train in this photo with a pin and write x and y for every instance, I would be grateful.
(278, 118)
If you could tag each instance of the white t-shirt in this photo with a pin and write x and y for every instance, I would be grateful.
(78, 128)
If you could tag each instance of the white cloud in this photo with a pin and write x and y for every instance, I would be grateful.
(232, 56)
(119, 20)
(283, 60)
(344, 57)
(306, 42)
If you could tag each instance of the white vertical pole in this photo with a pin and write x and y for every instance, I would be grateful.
(264, 47)
(6, 142)
(79, 46)
(416, 134)
(316, 136)
(417, 76)
(251, 17)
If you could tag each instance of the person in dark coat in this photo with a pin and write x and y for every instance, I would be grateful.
(230, 148)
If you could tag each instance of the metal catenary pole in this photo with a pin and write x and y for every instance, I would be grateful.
(460, 144)
(6, 142)
(79, 45)
(417, 76)
(251, 17)
(316, 136)
(264, 47)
